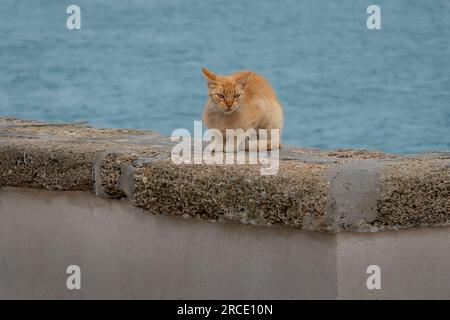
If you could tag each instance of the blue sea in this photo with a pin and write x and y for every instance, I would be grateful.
(137, 64)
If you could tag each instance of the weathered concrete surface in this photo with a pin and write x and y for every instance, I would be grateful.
(61, 156)
(228, 193)
(415, 191)
(124, 253)
(328, 191)
(354, 193)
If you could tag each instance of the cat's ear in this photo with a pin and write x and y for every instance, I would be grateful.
(243, 78)
(211, 78)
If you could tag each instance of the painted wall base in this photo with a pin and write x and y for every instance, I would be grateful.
(128, 254)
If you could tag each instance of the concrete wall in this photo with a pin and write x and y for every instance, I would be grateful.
(414, 264)
(123, 253)
(126, 253)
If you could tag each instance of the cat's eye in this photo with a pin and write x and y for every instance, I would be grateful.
(237, 95)
(221, 96)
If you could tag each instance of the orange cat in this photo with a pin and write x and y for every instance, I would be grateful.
(243, 100)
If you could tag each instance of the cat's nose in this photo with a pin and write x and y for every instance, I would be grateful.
(229, 104)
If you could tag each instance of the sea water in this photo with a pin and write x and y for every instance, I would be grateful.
(137, 64)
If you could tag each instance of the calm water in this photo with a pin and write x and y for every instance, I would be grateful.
(137, 64)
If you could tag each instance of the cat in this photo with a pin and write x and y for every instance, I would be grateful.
(242, 100)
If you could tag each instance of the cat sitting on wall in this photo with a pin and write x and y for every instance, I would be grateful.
(243, 100)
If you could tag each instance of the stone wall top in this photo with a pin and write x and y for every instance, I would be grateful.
(319, 190)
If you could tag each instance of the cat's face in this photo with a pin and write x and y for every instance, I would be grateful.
(226, 92)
